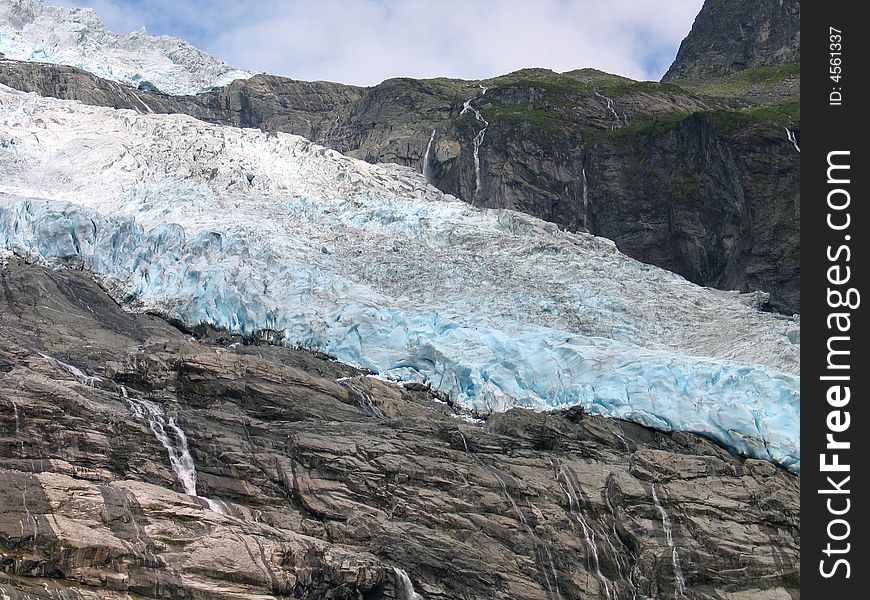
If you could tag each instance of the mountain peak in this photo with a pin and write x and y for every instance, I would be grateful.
(733, 35)
(32, 31)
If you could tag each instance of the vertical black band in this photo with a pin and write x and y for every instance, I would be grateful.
(835, 225)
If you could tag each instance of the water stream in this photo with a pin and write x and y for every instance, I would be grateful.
(611, 107)
(171, 435)
(585, 200)
(542, 549)
(588, 533)
(679, 592)
(78, 374)
(427, 167)
(792, 138)
(404, 587)
(478, 139)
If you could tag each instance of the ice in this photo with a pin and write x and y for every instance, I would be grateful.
(31, 31)
(372, 265)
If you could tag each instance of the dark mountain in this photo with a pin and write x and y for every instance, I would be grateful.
(734, 35)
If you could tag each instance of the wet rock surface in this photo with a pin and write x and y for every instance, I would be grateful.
(316, 481)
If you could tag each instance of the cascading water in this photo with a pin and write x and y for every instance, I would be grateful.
(543, 549)
(78, 374)
(792, 137)
(679, 592)
(427, 167)
(363, 398)
(404, 587)
(585, 200)
(588, 533)
(15, 414)
(478, 139)
(611, 107)
(179, 453)
(623, 565)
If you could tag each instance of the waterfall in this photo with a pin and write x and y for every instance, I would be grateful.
(623, 565)
(585, 200)
(15, 414)
(427, 169)
(363, 398)
(148, 108)
(588, 533)
(478, 139)
(679, 592)
(624, 442)
(30, 516)
(88, 380)
(542, 549)
(172, 436)
(792, 138)
(617, 120)
(404, 587)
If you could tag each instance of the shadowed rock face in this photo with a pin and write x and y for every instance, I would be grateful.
(698, 180)
(328, 479)
(734, 35)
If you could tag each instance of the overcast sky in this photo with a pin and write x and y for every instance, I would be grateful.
(366, 41)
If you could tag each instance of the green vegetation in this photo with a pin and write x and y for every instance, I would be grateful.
(730, 121)
(552, 109)
(746, 83)
(582, 81)
(651, 125)
(543, 117)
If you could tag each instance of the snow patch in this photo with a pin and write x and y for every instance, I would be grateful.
(31, 31)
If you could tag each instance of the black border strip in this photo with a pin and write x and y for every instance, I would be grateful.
(833, 269)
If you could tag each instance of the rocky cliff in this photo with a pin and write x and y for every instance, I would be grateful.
(734, 35)
(313, 480)
(700, 178)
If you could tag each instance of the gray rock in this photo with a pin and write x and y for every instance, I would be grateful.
(734, 35)
(323, 495)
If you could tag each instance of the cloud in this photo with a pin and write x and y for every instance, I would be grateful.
(366, 41)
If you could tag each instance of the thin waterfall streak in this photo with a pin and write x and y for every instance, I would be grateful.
(427, 168)
(588, 532)
(792, 138)
(679, 592)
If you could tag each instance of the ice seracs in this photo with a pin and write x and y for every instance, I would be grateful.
(32, 31)
(370, 264)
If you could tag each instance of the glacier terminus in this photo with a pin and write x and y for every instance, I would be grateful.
(272, 235)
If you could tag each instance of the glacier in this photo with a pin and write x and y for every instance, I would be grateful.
(269, 234)
(32, 31)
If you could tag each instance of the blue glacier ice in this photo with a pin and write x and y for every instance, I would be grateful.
(484, 360)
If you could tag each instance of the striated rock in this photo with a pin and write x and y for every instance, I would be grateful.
(316, 481)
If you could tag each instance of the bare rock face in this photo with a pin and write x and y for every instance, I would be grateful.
(734, 35)
(313, 480)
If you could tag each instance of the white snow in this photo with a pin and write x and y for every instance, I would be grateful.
(254, 231)
(31, 31)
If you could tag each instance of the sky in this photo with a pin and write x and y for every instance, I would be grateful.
(363, 42)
